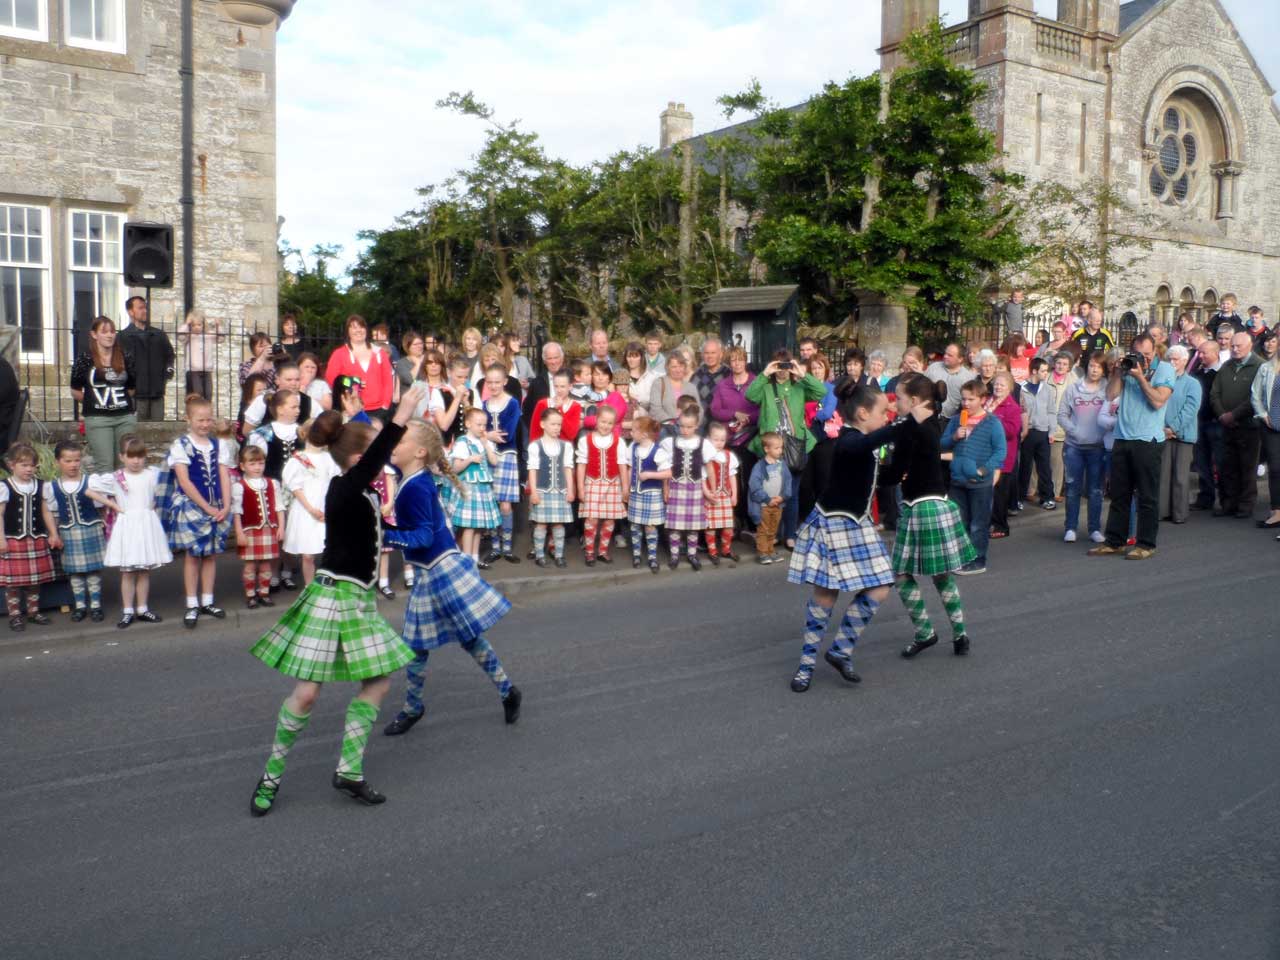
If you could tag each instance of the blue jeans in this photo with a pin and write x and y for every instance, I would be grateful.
(1084, 474)
(791, 510)
(974, 501)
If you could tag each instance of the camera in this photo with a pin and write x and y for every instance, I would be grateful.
(1133, 361)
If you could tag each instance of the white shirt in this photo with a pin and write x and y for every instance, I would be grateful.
(601, 443)
(178, 453)
(69, 487)
(551, 447)
(433, 401)
(28, 487)
(733, 461)
(688, 443)
(285, 431)
(661, 461)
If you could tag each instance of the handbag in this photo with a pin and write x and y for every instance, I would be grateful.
(794, 453)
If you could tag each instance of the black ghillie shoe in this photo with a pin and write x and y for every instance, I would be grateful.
(191, 618)
(843, 665)
(216, 612)
(79, 614)
(510, 558)
(387, 592)
(715, 560)
(673, 563)
(915, 646)
(148, 616)
(402, 723)
(252, 603)
(124, 621)
(960, 645)
(511, 704)
(263, 799)
(96, 615)
(541, 561)
(39, 619)
(493, 556)
(731, 556)
(288, 583)
(561, 562)
(695, 562)
(653, 565)
(590, 561)
(605, 558)
(264, 600)
(636, 563)
(358, 789)
(18, 624)
(800, 682)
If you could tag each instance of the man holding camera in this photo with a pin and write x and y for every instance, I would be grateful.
(1144, 385)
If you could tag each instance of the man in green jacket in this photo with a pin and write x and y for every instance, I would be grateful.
(1232, 403)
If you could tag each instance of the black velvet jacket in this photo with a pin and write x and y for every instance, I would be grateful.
(917, 459)
(353, 515)
(852, 484)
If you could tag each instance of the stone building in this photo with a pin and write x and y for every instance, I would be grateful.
(91, 136)
(1159, 98)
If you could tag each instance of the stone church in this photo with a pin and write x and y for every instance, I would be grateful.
(1160, 98)
(92, 127)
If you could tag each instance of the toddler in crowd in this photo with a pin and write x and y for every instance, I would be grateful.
(259, 512)
(550, 489)
(768, 490)
(29, 532)
(80, 527)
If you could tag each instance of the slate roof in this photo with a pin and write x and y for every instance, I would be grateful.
(749, 299)
(1135, 10)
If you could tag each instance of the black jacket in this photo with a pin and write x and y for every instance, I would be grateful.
(352, 515)
(917, 459)
(152, 359)
(851, 483)
(539, 389)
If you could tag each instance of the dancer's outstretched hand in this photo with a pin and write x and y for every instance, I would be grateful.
(408, 403)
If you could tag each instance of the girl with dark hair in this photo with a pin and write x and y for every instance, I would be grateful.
(333, 631)
(932, 540)
(977, 439)
(259, 361)
(278, 440)
(838, 548)
(368, 363)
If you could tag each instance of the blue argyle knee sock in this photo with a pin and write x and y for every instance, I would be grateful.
(508, 532)
(479, 648)
(79, 590)
(557, 540)
(415, 678)
(540, 540)
(637, 542)
(815, 625)
(95, 591)
(651, 541)
(855, 621)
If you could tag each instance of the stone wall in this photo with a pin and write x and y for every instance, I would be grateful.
(89, 129)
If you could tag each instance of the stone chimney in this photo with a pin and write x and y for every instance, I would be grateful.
(1095, 16)
(1073, 13)
(674, 124)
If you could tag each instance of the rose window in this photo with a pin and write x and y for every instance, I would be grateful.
(1177, 164)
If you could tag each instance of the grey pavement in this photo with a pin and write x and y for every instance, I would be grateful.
(1100, 778)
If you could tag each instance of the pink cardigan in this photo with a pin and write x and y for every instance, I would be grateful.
(1009, 413)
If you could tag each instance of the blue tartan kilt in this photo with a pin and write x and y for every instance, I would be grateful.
(646, 508)
(193, 531)
(83, 545)
(838, 553)
(554, 508)
(477, 509)
(506, 478)
(450, 603)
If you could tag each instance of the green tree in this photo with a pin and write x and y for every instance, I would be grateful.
(311, 292)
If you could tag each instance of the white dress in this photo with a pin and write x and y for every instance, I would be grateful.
(137, 540)
(310, 473)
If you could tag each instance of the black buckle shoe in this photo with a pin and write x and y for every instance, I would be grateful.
(916, 646)
(96, 615)
(191, 618)
(843, 665)
(149, 616)
(263, 791)
(960, 645)
(216, 612)
(358, 789)
(402, 723)
(483, 564)
(800, 682)
(511, 704)
(39, 619)
(78, 614)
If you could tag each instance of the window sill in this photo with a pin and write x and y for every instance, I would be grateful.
(70, 56)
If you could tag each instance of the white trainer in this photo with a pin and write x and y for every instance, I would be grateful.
(1069, 537)
(1098, 537)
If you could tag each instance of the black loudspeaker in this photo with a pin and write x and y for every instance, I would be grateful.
(148, 254)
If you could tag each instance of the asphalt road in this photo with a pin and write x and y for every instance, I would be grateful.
(1100, 778)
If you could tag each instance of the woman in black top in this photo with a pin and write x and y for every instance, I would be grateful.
(838, 548)
(932, 540)
(102, 380)
(333, 631)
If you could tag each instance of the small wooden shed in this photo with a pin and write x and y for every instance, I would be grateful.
(761, 320)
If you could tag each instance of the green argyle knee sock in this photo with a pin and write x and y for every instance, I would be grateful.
(949, 590)
(856, 619)
(479, 648)
(79, 590)
(815, 625)
(913, 600)
(355, 735)
(288, 726)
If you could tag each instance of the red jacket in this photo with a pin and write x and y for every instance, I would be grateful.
(568, 429)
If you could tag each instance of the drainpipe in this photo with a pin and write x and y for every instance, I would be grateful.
(1104, 215)
(187, 200)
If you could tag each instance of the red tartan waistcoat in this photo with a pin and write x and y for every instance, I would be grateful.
(606, 470)
(256, 502)
(719, 475)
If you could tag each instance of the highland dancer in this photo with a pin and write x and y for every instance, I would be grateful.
(450, 602)
(838, 548)
(932, 540)
(333, 631)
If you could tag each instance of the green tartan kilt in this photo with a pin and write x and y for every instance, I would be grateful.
(932, 539)
(333, 632)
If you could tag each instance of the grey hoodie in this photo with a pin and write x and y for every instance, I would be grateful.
(1078, 414)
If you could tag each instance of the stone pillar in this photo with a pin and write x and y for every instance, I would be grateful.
(1226, 176)
(1104, 17)
(1073, 13)
(898, 18)
(978, 7)
(882, 322)
(674, 124)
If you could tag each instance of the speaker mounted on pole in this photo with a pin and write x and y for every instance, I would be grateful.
(148, 254)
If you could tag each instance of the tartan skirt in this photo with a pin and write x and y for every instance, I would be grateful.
(646, 508)
(449, 497)
(554, 508)
(450, 603)
(333, 632)
(259, 544)
(27, 562)
(932, 539)
(83, 545)
(478, 509)
(602, 500)
(193, 531)
(838, 553)
(720, 512)
(506, 478)
(686, 509)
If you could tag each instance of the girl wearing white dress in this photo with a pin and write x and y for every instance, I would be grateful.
(306, 477)
(138, 543)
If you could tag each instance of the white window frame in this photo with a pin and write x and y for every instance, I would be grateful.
(117, 47)
(46, 351)
(40, 33)
(113, 310)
